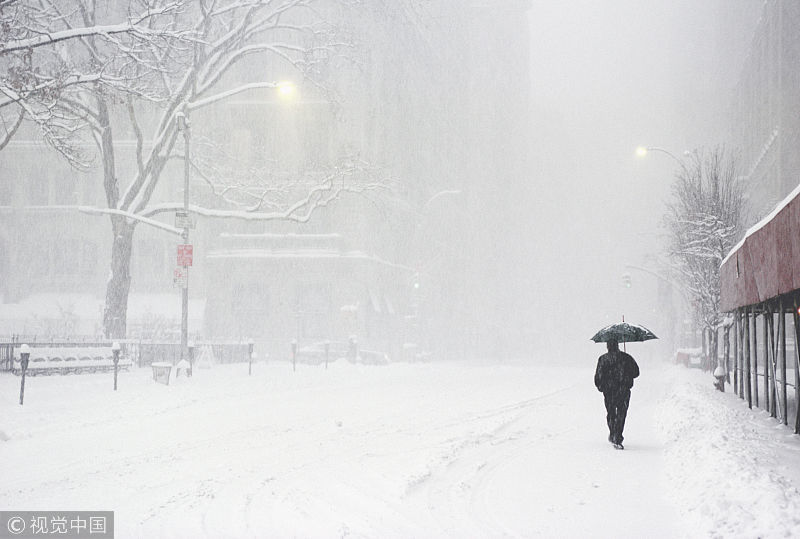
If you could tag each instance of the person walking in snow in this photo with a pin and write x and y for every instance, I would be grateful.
(614, 378)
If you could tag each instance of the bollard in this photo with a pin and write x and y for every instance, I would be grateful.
(327, 353)
(250, 346)
(190, 345)
(294, 355)
(24, 355)
(115, 347)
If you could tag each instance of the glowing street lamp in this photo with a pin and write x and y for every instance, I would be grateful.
(642, 151)
(286, 89)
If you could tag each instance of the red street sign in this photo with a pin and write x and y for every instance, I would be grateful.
(184, 255)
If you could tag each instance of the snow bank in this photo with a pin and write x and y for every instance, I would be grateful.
(732, 470)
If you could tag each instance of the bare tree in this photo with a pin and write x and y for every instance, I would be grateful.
(704, 220)
(40, 63)
(190, 57)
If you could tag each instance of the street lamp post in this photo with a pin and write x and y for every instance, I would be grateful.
(641, 151)
(183, 125)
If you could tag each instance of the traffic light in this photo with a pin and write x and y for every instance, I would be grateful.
(626, 280)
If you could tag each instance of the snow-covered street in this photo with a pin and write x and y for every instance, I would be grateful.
(421, 450)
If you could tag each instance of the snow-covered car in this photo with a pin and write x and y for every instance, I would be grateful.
(689, 357)
(314, 354)
(371, 357)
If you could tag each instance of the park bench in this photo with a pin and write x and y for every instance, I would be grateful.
(69, 360)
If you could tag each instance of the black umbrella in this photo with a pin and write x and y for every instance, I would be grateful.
(624, 332)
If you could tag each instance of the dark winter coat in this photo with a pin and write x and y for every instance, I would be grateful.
(615, 370)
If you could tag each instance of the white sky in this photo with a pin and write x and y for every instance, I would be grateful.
(606, 78)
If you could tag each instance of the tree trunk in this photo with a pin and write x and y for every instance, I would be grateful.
(119, 283)
(704, 348)
(713, 348)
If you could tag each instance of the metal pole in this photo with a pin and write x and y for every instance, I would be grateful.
(742, 323)
(796, 325)
(250, 346)
(782, 331)
(190, 346)
(747, 363)
(116, 367)
(765, 326)
(185, 235)
(754, 336)
(736, 376)
(669, 153)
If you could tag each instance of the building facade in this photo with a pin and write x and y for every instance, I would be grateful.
(765, 126)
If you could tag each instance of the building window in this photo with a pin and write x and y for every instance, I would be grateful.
(313, 310)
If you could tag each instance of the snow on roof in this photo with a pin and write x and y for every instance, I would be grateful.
(763, 222)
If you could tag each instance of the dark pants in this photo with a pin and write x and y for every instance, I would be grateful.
(616, 410)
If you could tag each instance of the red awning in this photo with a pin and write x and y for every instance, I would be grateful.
(766, 263)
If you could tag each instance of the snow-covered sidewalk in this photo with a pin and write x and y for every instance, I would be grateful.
(733, 472)
(425, 450)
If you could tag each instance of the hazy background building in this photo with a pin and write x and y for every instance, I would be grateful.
(765, 125)
(434, 99)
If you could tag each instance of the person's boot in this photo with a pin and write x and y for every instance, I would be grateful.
(617, 441)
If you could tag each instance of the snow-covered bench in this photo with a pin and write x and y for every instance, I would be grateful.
(69, 360)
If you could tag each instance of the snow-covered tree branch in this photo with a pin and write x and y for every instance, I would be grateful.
(704, 220)
(53, 52)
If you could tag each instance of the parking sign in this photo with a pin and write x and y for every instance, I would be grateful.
(184, 255)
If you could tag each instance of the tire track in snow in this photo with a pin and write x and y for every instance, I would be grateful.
(454, 490)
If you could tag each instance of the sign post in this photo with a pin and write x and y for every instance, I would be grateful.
(185, 250)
